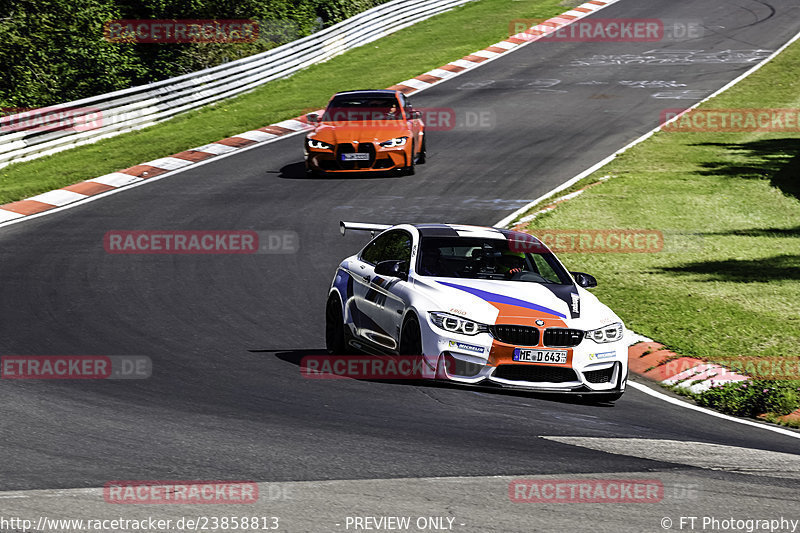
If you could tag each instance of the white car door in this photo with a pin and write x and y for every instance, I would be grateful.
(379, 309)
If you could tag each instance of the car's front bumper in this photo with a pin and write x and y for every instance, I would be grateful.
(379, 159)
(481, 359)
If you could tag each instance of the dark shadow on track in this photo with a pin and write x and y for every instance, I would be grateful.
(297, 171)
(295, 357)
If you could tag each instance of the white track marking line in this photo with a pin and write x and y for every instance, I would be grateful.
(6, 215)
(291, 124)
(116, 179)
(58, 197)
(214, 148)
(168, 163)
(441, 73)
(258, 136)
(504, 44)
(669, 399)
(485, 53)
(464, 64)
(414, 83)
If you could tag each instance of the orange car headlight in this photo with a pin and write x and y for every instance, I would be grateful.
(318, 145)
(394, 143)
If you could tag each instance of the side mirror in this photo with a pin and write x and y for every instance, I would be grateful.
(313, 118)
(587, 281)
(392, 268)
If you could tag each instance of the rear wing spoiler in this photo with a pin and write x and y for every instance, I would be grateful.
(360, 226)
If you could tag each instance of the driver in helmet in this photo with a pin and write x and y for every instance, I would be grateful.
(510, 263)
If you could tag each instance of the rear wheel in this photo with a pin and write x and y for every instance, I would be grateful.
(335, 338)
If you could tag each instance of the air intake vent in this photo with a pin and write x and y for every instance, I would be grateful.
(517, 335)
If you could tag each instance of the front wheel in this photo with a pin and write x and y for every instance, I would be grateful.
(410, 170)
(423, 153)
(335, 339)
(411, 338)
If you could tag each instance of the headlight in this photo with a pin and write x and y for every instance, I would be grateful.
(392, 143)
(610, 333)
(318, 145)
(456, 324)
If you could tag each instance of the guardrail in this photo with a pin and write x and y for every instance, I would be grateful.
(91, 119)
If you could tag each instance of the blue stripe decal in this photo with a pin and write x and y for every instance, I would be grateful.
(500, 299)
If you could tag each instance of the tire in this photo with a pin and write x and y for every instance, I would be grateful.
(411, 338)
(335, 338)
(423, 153)
(411, 169)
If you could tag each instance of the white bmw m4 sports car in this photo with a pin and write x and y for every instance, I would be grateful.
(481, 306)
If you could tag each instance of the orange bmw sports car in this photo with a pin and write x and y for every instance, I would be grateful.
(366, 131)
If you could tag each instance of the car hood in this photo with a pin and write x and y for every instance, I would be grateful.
(336, 132)
(515, 302)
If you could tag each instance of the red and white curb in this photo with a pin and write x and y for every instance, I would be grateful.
(653, 361)
(78, 192)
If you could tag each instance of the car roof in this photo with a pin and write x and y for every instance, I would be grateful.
(466, 230)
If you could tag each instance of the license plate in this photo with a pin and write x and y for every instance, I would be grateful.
(355, 157)
(557, 357)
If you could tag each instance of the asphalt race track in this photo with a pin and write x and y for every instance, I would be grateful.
(226, 332)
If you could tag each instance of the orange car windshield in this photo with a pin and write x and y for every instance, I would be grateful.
(363, 110)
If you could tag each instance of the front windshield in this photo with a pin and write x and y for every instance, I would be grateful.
(478, 258)
(361, 109)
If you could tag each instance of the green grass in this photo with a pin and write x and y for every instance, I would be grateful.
(728, 282)
(400, 56)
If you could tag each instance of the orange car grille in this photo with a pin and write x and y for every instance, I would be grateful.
(362, 148)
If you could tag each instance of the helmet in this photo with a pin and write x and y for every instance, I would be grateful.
(510, 260)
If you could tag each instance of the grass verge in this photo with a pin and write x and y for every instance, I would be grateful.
(394, 58)
(770, 400)
(727, 281)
